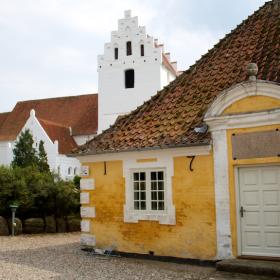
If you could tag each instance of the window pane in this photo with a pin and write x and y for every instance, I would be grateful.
(143, 186)
(160, 195)
(136, 205)
(143, 205)
(142, 50)
(161, 205)
(154, 195)
(160, 175)
(136, 186)
(128, 48)
(143, 176)
(153, 176)
(143, 195)
(136, 195)
(129, 78)
(154, 205)
(154, 186)
(116, 53)
(136, 176)
(160, 186)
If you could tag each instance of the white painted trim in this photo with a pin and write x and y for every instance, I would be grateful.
(85, 225)
(166, 216)
(243, 120)
(164, 162)
(240, 91)
(237, 198)
(87, 240)
(84, 198)
(174, 152)
(223, 229)
(87, 184)
(87, 212)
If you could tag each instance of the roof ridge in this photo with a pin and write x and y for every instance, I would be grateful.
(55, 98)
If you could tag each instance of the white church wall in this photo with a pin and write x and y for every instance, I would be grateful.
(67, 167)
(6, 152)
(114, 98)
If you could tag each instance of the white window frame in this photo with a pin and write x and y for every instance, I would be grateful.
(148, 188)
(166, 216)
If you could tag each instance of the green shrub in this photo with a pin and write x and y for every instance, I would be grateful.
(38, 194)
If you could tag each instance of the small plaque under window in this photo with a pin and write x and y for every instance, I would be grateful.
(256, 144)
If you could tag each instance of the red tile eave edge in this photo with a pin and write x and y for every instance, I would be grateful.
(155, 148)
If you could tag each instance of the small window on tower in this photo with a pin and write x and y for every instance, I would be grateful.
(128, 48)
(142, 50)
(129, 78)
(116, 53)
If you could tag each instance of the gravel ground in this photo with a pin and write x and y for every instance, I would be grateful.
(58, 256)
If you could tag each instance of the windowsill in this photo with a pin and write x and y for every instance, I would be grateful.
(165, 217)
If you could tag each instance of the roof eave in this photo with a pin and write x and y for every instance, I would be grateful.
(154, 148)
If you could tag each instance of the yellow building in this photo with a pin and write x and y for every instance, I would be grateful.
(195, 171)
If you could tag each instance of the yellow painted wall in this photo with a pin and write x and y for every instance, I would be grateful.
(252, 104)
(246, 105)
(193, 236)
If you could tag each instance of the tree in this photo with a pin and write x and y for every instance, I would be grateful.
(24, 152)
(43, 165)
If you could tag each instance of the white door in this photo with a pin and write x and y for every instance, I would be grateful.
(259, 213)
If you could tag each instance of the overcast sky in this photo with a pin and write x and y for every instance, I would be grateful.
(49, 48)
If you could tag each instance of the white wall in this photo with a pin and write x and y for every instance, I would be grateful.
(6, 152)
(82, 139)
(67, 167)
(114, 99)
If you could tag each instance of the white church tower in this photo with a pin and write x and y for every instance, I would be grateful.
(133, 68)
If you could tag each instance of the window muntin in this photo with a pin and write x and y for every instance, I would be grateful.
(149, 190)
(128, 48)
(129, 78)
(142, 50)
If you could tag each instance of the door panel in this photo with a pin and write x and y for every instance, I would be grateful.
(259, 195)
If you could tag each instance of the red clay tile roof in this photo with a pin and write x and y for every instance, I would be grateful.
(168, 119)
(80, 112)
(61, 133)
(3, 117)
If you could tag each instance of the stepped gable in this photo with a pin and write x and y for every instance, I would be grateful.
(168, 119)
(78, 112)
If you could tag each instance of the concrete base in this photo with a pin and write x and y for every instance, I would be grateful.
(267, 268)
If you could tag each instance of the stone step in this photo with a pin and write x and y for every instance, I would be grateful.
(257, 267)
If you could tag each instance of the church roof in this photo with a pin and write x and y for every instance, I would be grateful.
(3, 117)
(78, 112)
(61, 133)
(168, 119)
